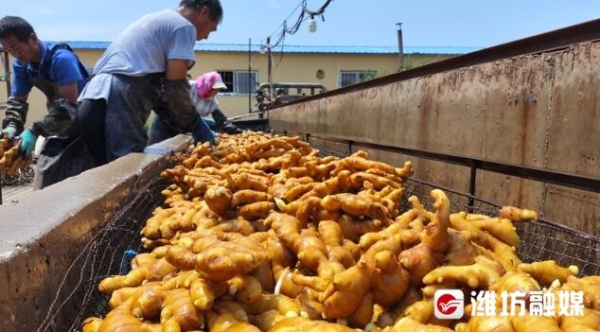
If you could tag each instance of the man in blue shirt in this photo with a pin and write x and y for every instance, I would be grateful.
(54, 69)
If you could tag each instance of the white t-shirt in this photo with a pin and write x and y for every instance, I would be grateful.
(143, 48)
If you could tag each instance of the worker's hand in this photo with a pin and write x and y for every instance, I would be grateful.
(213, 139)
(202, 133)
(230, 128)
(213, 136)
(28, 139)
(9, 131)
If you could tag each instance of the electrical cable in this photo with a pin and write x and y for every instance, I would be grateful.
(319, 11)
(301, 4)
(303, 16)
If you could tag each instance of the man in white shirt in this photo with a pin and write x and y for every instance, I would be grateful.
(145, 69)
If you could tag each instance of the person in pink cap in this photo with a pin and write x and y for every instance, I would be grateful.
(203, 93)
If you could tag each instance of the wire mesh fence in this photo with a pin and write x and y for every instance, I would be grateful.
(108, 253)
(540, 240)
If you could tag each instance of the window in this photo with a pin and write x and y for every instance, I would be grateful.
(240, 82)
(348, 77)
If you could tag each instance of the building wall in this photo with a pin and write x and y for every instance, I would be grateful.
(297, 68)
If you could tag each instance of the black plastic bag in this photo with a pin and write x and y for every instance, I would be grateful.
(61, 158)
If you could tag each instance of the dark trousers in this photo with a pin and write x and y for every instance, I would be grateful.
(114, 128)
(92, 119)
(159, 130)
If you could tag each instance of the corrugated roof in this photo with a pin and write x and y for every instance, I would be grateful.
(213, 47)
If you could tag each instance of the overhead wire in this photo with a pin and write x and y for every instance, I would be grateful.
(304, 14)
(282, 43)
(280, 27)
(320, 11)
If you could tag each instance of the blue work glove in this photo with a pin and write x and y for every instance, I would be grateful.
(9, 131)
(202, 133)
(28, 139)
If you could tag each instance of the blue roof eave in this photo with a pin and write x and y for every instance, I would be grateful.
(214, 47)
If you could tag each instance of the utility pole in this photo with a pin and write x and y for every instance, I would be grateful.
(6, 79)
(270, 69)
(400, 48)
(249, 75)
(6, 69)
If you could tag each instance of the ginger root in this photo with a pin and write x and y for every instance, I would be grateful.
(301, 324)
(548, 271)
(479, 275)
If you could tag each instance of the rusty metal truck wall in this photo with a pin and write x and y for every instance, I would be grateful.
(539, 110)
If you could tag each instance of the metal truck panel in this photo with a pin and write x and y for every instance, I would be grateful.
(526, 123)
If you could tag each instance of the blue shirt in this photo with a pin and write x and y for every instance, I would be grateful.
(63, 69)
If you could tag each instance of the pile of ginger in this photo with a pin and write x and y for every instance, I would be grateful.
(10, 158)
(263, 234)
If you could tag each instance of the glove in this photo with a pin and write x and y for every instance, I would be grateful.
(28, 139)
(16, 114)
(230, 128)
(176, 105)
(9, 131)
(202, 133)
(60, 120)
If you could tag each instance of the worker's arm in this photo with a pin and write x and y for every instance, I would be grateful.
(175, 107)
(222, 121)
(61, 113)
(16, 116)
(176, 103)
(17, 106)
(177, 69)
(13, 124)
(66, 73)
(69, 92)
